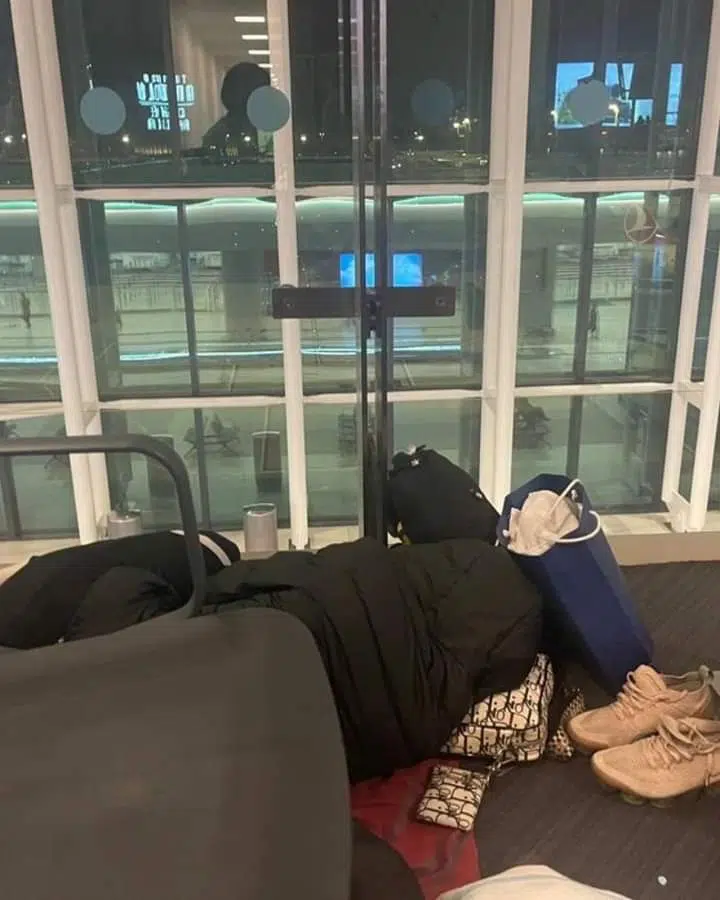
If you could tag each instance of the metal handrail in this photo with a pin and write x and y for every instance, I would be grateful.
(148, 446)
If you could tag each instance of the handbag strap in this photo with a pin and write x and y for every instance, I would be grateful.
(584, 537)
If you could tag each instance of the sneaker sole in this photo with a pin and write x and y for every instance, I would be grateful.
(609, 786)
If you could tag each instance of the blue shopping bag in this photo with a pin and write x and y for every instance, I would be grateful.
(588, 605)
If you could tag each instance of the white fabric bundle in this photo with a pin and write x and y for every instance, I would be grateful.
(529, 883)
(546, 519)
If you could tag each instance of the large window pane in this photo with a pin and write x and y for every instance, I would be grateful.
(180, 297)
(234, 457)
(601, 283)
(14, 160)
(156, 92)
(616, 88)
(710, 263)
(439, 98)
(433, 240)
(42, 484)
(28, 364)
(334, 480)
(615, 444)
(333, 468)
(687, 465)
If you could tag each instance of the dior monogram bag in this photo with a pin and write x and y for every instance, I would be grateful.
(509, 727)
(452, 797)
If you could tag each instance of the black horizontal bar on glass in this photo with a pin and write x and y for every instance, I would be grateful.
(339, 303)
(147, 446)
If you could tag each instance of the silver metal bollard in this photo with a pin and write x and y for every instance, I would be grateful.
(261, 529)
(123, 524)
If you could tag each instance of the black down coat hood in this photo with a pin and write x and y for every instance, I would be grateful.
(410, 636)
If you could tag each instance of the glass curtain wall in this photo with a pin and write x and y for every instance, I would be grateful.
(209, 146)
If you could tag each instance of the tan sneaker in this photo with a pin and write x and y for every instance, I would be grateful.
(645, 698)
(683, 756)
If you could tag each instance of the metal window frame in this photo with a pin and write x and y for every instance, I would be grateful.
(56, 195)
(682, 516)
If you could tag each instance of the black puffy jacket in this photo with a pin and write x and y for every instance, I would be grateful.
(410, 636)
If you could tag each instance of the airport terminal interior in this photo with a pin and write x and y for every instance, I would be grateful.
(166, 166)
(289, 239)
(147, 215)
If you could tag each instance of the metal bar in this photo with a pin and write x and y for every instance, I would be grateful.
(493, 247)
(694, 262)
(361, 191)
(38, 130)
(132, 443)
(384, 328)
(286, 221)
(68, 223)
(339, 303)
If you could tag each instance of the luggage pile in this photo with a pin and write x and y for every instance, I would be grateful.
(304, 672)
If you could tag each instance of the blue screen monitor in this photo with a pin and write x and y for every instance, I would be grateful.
(625, 109)
(407, 270)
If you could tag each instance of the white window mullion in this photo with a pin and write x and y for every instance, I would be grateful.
(46, 194)
(707, 427)
(285, 198)
(511, 68)
(77, 298)
(694, 263)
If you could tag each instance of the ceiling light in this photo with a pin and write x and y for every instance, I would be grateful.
(259, 52)
(251, 20)
(254, 37)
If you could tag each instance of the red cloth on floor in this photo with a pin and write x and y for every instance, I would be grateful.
(442, 858)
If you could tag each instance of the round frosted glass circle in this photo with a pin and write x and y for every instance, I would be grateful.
(268, 109)
(589, 103)
(103, 110)
(432, 102)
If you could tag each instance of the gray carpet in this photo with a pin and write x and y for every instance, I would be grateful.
(555, 813)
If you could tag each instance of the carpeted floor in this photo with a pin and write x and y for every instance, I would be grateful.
(555, 813)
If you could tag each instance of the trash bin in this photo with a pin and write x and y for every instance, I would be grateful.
(261, 528)
(267, 457)
(123, 524)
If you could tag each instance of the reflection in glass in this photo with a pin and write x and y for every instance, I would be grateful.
(234, 457)
(647, 59)
(180, 296)
(184, 79)
(615, 444)
(42, 485)
(439, 99)
(433, 241)
(187, 75)
(334, 477)
(600, 286)
(14, 159)
(28, 363)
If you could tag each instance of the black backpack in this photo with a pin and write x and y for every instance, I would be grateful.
(431, 499)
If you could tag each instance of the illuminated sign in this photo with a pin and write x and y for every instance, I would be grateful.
(153, 95)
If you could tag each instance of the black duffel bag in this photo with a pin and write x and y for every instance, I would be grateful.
(431, 499)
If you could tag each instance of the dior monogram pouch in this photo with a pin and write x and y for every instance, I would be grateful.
(452, 797)
(512, 726)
